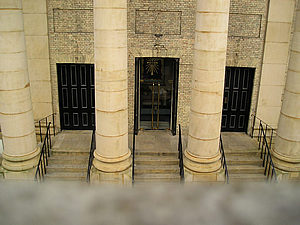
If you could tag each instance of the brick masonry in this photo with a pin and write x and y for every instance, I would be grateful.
(71, 40)
(247, 24)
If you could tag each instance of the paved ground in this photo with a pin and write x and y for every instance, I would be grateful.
(75, 140)
(164, 140)
(158, 140)
(238, 141)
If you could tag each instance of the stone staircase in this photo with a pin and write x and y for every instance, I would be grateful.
(156, 158)
(67, 166)
(156, 167)
(69, 159)
(243, 158)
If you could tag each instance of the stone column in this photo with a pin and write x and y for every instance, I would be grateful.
(286, 152)
(16, 117)
(275, 60)
(112, 156)
(202, 157)
(37, 48)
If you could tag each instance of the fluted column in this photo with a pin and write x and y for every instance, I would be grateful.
(286, 152)
(202, 157)
(112, 155)
(16, 117)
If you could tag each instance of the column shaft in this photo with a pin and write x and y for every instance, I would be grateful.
(112, 153)
(202, 154)
(16, 117)
(286, 152)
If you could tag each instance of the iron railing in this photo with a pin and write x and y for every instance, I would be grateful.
(133, 154)
(223, 160)
(265, 138)
(41, 169)
(42, 123)
(91, 157)
(269, 131)
(180, 156)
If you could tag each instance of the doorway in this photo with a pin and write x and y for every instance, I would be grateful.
(156, 92)
(237, 98)
(76, 90)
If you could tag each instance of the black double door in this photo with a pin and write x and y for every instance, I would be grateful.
(156, 93)
(237, 98)
(76, 89)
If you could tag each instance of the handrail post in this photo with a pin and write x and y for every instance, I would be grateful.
(271, 138)
(53, 121)
(133, 155)
(41, 137)
(49, 134)
(253, 125)
(91, 156)
(180, 155)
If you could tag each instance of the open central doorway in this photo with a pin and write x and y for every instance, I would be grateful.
(156, 91)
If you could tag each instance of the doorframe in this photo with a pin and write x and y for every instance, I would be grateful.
(173, 117)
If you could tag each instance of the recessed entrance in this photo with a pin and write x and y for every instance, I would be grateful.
(156, 93)
(237, 98)
(76, 91)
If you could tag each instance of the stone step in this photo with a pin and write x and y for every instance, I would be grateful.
(247, 178)
(245, 169)
(157, 177)
(156, 153)
(234, 152)
(64, 168)
(59, 152)
(68, 159)
(78, 176)
(243, 160)
(158, 169)
(156, 160)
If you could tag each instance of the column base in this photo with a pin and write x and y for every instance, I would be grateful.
(198, 169)
(287, 169)
(211, 177)
(112, 170)
(122, 178)
(20, 167)
(27, 175)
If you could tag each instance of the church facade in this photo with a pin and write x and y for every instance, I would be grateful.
(118, 65)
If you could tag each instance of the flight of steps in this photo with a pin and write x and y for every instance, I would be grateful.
(156, 166)
(244, 166)
(69, 156)
(156, 157)
(67, 166)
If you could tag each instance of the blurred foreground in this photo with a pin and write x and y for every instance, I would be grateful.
(32, 204)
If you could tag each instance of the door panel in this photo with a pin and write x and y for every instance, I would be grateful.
(76, 96)
(237, 98)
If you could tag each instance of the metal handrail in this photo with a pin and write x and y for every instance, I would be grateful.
(45, 120)
(223, 160)
(267, 128)
(180, 156)
(91, 157)
(45, 153)
(264, 146)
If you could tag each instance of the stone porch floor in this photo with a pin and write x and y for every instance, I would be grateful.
(75, 140)
(238, 141)
(151, 140)
(163, 139)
